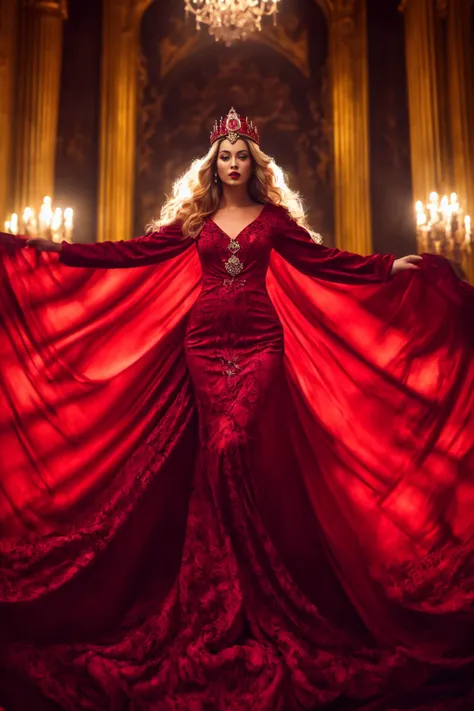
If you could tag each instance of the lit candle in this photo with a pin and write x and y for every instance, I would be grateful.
(48, 223)
(56, 224)
(68, 222)
(444, 206)
(27, 215)
(48, 211)
(14, 224)
(420, 213)
(449, 220)
(454, 203)
(46, 216)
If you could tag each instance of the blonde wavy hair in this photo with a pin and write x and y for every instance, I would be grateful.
(196, 196)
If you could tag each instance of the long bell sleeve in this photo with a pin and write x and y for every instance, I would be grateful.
(297, 247)
(155, 247)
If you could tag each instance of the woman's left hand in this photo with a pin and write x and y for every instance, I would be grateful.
(409, 262)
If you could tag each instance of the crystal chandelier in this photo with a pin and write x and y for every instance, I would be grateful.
(231, 20)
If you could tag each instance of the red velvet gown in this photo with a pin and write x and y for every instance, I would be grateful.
(232, 485)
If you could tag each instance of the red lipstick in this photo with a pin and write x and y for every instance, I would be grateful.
(234, 174)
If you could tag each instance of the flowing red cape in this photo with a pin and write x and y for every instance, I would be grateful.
(94, 388)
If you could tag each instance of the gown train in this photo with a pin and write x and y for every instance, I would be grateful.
(238, 476)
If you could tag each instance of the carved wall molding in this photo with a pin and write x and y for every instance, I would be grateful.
(291, 40)
(344, 8)
(53, 7)
(133, 13)
(344, 16)
(327, 6)
(185, 43)
(287, 39)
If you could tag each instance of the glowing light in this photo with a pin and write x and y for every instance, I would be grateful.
(442, 228)
(231, 20)
(48, 224)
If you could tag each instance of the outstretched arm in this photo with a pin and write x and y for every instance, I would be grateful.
(296, 246)
(156, 247)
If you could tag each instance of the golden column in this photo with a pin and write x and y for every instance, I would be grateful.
(460, 93)
(38, 99)
(423, 97)
(348, 57)
(120, 53)
(9, 10)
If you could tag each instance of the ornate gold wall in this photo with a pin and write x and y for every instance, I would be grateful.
(439, 102)
(40, 38)
(348, 71)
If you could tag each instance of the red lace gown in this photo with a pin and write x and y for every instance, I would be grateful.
(232, 561)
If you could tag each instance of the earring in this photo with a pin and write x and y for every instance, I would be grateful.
(215, 178)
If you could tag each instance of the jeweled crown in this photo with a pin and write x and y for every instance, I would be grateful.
(233, 126)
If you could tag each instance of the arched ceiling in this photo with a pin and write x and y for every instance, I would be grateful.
(187, 43)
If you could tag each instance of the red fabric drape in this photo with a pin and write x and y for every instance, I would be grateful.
(94, 390)
(383, 383)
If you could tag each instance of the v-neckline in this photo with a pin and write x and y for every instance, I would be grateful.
(233, 239)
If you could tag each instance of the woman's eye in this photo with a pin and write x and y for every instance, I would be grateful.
(242, 157)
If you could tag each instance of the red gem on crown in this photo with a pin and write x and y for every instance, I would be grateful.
(234, 127)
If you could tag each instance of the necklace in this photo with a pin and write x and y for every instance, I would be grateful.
(233, 265)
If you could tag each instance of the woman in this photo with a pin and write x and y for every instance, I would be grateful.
(267, 590)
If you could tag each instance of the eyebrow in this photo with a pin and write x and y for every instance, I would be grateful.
(242, 150)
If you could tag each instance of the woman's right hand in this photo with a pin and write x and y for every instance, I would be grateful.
(44, 245)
